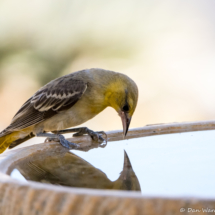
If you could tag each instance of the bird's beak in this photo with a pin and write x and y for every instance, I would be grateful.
(125, 122)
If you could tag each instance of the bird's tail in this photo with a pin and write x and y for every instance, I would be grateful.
(5, 141)
(13, 139)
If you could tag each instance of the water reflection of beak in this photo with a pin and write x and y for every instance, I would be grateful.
(125, 122)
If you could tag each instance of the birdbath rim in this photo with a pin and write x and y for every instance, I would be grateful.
(9, 159)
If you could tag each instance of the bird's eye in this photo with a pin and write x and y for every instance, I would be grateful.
(125, 108)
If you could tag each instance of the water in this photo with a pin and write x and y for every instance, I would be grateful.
(164, 165)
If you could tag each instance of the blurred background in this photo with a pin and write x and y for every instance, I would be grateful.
(167, 47)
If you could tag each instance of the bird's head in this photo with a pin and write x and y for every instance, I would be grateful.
(122, 96)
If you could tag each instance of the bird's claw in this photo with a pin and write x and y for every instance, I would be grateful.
(62, 141)
(100, 136)
(96, 136)
(66, 143)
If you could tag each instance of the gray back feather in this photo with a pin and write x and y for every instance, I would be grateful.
(58, 95)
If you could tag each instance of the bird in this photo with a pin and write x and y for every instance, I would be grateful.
(69, 101)
(65, 168)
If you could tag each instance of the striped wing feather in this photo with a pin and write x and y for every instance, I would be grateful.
(58, 95)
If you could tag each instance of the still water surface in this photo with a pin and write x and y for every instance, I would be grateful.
(164, 165)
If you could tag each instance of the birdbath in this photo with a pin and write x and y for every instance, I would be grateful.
(157, 169)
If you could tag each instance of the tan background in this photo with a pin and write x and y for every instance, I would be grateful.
(167, 47)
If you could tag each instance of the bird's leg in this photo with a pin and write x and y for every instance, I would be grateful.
(59, 138)
(96, 136)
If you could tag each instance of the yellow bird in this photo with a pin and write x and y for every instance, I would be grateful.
(69, 101)
(67, 169)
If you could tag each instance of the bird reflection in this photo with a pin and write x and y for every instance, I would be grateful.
(68, 169)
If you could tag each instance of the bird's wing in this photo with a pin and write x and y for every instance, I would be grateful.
(58, 95)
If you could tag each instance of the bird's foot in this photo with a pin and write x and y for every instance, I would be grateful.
(60, 138)
(96, 136)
